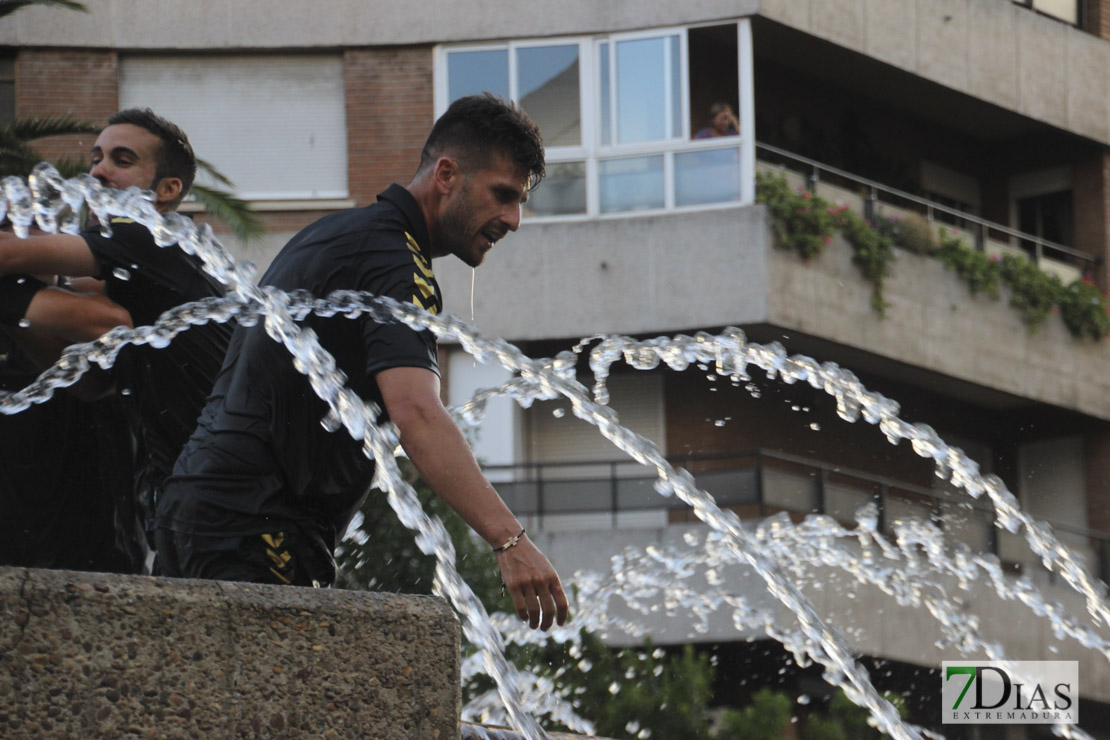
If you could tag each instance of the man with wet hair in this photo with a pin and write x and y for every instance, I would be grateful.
(133, 282)
(262, 492)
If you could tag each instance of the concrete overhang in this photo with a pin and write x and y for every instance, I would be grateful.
(665, 274)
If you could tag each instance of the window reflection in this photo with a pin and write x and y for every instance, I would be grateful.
(632, 184)
(472, 72)
(641, 92)
(548, 88)
(562, 192)
(605, 107)
(710, 176)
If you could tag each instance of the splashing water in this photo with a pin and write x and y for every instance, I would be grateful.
(728, 353)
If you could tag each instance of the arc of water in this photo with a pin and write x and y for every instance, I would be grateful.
(347, 410)
(359, 419)
(309, 357)
(731, 354)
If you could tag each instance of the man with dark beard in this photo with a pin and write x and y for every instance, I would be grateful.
(262, 492)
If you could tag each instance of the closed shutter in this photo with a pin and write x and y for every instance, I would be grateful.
(636, 397)
(274, 125)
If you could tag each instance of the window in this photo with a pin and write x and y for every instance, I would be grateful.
(618, 114)
(275, 125)
(1065, 10)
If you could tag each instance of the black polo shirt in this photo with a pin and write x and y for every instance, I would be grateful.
(163, 389)
(260, 458)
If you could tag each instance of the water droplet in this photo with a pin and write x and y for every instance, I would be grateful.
(815, 427)
(719, 423)
(614, 688)
(125, 391)
(121, 274)
(559, 413)
(803, 699)
(21, 281)
(24, 323)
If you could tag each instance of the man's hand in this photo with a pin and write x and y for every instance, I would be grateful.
(533, 584)
(439, 451)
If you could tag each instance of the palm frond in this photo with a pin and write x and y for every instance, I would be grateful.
(215, 174)
(40, 127)
(71, 166)
(17, 158)
(7, 7)
(233, 211)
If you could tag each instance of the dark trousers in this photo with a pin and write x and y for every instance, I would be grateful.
(284, 557)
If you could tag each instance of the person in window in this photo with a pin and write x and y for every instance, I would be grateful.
(263, 492)
(722, 122)
(133, 281)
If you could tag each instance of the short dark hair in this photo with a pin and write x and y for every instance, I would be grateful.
(175, 156)
(476, 126)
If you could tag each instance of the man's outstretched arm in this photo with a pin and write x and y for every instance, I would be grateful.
(47, 254)
(56, 318)
(74, 317)
(440, 452)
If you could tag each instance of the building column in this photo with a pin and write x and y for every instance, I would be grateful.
(1097, 18)
(1096, 453)
(1091, 188)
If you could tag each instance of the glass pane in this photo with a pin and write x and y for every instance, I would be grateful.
(1066, 10)
(547, 87)
(470, 72)
(641, 97)
(711, 176)
(633, 184)
(676, 89)
(606, 100)
(562, 192)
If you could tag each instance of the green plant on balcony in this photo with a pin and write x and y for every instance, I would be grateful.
(1033, 292)
(910, 231)
(980, 272)
(801, 221)
(805, 223)
(1084, 309)
(872, 253)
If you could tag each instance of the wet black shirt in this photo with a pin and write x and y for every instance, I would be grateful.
(163, 389)
(260, 458)
(65, 480)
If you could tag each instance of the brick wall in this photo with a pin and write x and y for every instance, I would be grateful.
(389, 113)
(81, 84)
(1097, 18)
(1092, 209)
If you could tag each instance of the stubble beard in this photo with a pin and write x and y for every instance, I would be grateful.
(456, 233)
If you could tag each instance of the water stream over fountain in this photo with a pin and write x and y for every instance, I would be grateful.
(772, 552)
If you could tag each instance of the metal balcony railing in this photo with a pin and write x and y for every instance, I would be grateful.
(758, 483)
(872, 199)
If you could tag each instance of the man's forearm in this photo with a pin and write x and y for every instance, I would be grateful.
(439, 451)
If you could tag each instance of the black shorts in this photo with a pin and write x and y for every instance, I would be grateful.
(284, 557)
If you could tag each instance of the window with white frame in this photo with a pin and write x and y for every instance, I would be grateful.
(275, 125)
(1065, 10)
(619, 114)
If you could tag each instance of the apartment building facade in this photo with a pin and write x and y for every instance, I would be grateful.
(990, 118)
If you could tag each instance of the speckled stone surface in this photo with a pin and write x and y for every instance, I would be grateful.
(86, 655)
